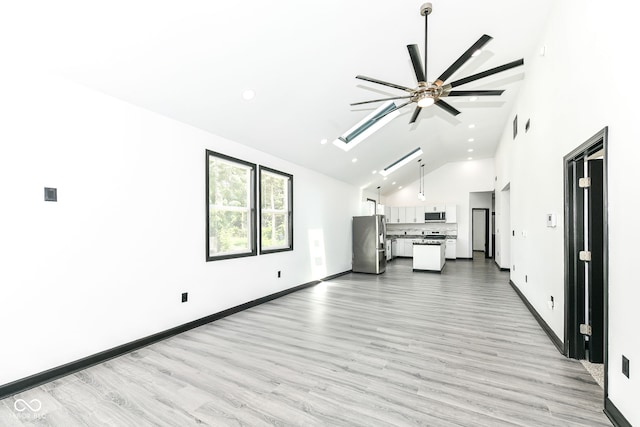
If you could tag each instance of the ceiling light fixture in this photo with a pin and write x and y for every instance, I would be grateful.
(354, 160)
(471, 139)
(393, 183)
(470, 150)
(401, 162)
(400, 188)
(384, 179)
(425, 101)
(367, 126)
(471, 126)
(248, 95)
(469, 158)
(323, 141)
(374, 172)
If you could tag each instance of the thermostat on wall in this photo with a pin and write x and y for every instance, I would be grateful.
(551, 220)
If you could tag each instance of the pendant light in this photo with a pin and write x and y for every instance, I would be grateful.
(421, 181)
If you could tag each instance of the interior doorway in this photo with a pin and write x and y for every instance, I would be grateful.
(586, 255)
(480, 231)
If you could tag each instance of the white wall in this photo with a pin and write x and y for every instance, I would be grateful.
(451, 183)
(581, 85)
(107, 263)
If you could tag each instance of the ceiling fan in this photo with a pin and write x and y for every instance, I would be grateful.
(430, 93)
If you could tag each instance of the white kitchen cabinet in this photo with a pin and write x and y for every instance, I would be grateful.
(387, 214)
(410, 214)
(408, 248)
(393, 215)
(420, 214)
(451, 213)
(435, 207)
(402, 215)
(450, 250)
(399, 248)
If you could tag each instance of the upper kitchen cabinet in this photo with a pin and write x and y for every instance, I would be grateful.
(420, 214)
(402, 215)
(432, 207)
(410, 214)
(451, 212)
(387, 213)
(394, 214)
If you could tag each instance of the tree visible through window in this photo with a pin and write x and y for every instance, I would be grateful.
(230, 207)
(276, 211)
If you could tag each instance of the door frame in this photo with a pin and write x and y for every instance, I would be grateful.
(573, 242)
(487, 243)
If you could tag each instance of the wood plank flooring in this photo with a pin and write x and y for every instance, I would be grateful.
(399, 349)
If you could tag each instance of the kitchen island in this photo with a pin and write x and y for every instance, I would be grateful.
(429, 256)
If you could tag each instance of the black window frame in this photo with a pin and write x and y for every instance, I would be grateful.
(252, 226)
(289, 247)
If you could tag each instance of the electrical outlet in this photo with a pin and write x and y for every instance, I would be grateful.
(625, 366)
(279, 274)
(185, 296)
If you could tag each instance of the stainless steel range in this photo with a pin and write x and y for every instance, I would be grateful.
(435, 238)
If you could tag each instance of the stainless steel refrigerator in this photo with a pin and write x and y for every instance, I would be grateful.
(369, 234)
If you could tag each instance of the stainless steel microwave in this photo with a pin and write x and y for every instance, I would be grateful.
(434, 217)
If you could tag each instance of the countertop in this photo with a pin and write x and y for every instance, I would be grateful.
(417, 236)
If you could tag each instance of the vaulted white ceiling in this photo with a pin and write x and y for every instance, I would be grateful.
(192, 60)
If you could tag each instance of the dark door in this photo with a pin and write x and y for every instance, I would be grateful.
(595, 271)
(586, 250)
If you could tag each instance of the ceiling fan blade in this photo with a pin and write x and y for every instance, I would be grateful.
(473, 93)
(447, 107)
(487, 73)
(380, 82)
(381, 99)
(416, 113)
(464, 58)
(414, 53)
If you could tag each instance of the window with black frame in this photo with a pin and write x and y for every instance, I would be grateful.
(276, 211)
(231, 213)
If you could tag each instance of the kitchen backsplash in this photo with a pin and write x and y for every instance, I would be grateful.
(418, 229)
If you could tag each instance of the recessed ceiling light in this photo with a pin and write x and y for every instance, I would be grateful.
(323, 141)
(248, 94)
(471, 126)
(374, 172)
(393, 183)
(473, 99)
(400, 188)
(470, 139)
(470, 150)
(469, 158)
(354, 160)
(385, 178)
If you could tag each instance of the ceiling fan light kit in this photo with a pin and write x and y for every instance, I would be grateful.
(432, 93)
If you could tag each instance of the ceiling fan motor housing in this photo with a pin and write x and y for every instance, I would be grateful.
(426, 9)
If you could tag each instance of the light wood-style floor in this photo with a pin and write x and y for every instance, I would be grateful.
(402, 348)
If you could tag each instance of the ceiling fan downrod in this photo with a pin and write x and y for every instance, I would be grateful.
(425, 10)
